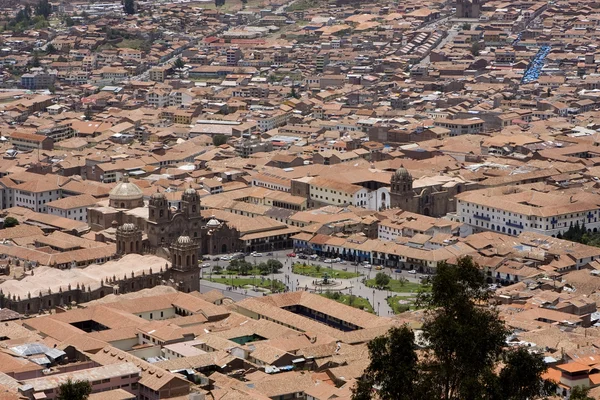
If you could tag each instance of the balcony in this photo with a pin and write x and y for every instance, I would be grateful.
(481, 217)
(515, 224)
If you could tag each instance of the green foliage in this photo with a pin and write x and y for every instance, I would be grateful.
(244, 2)
(349, 300)
(242, 267)
(78, 390)
(43, 8)
(381, 279)
(393, 367)
(129, 7)
(9, 222)
(475, 49)
(178, 64)
(294, 94)
(219, 140)
(332, 295)
(35, 60)
(50, 49)
(464, 354)
(219, 3)
(466, 26)
(270, 267)
(88, 114)
(580, 393)
(69, 21)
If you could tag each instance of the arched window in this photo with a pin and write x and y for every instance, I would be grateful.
(122, 205)
(194, 208)
(161, 213)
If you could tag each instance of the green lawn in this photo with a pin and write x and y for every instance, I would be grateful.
(316, 272)
(350, 300)
(400, 304)
(400, 287)
(248, 282)
(130, 44)
(302, 5)
(254, 271)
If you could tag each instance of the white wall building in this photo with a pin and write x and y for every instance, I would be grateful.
(72, 207)
(527, 211)
(36, 194)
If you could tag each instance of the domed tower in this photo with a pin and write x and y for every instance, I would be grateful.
(158, 208)
(401, 191)
(402, 181)
(126, 195)
(190, 203)
(129, 239)
(184, 264)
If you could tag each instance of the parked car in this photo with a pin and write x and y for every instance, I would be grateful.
(367, 266)
(412, 271)
(302, 256)
(314, 257)
(291, 254)
(206, 265)
(342, 262)
(337, 260)
(328, 261)
(255, 254)
(205, 258)
(379, 268)
(270, 253)
(225, 258)
(398, 271)
(216, 259)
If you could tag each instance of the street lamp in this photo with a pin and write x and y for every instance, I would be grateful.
(377, 308)
(373, 297)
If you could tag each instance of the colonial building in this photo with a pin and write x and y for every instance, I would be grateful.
(165, 224)
(430, 196)
(137, 228)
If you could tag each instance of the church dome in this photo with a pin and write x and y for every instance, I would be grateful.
(190, 190)
(126, 190)
(213, 223)
(402, 173)
(183, 239)
(158, 196)
(128, 227)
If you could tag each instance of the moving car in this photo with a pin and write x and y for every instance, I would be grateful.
(291, 254)
(412, 271)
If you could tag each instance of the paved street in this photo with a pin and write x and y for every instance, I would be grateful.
(354, 286)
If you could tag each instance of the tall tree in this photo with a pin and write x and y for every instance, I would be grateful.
(88, 114)
(580, 393)
(129, 7)
(43, 8)
(463, 344)
(475, 49)
(393, 367)
(35, 60)
(78, 390)
(178, 64)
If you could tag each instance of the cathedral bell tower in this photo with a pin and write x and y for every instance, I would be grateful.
(158, 208)
(190, 203)
(184, 264)
(129, 239)
(401, 191)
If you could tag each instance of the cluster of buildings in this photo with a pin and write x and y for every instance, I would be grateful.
(394, 135)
